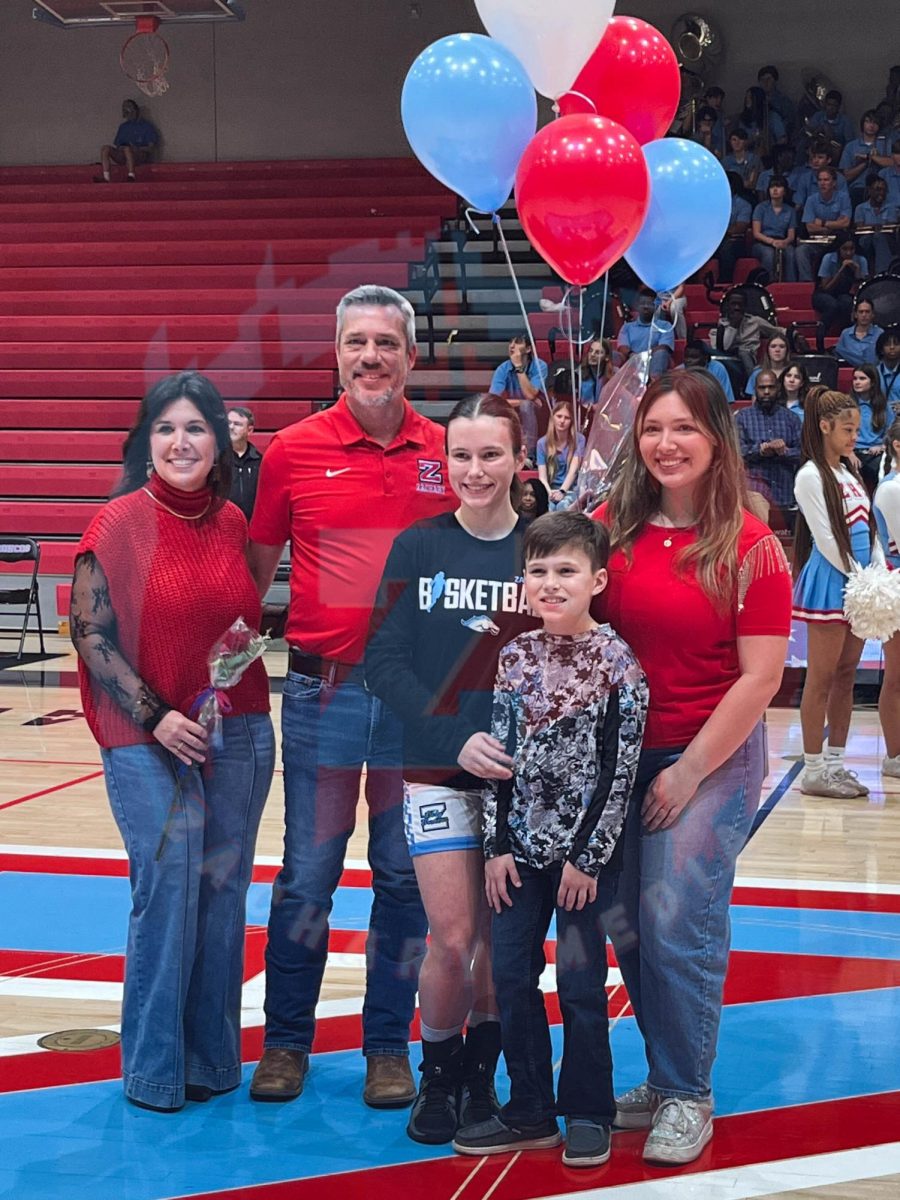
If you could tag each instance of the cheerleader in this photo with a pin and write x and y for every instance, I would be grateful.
(887, 522)
(832, 532)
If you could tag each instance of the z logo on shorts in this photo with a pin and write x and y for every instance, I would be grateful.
(433, 817)
(431, 476)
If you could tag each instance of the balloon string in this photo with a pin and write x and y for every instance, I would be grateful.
(528, 329)
(568, 311)
(572, 92)
(468, 215)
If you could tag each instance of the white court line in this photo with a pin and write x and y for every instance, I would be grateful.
(756, 1179)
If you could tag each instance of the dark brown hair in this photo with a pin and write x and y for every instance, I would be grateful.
(484, 404)
(555, 531)
(203, 394)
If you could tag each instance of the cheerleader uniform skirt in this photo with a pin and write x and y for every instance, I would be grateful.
(819, 590)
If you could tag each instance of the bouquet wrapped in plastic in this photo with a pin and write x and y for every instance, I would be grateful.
(229, 658)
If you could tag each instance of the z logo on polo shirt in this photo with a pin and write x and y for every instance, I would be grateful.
(431, 476)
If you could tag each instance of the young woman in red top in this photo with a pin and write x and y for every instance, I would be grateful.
(702, 592)
(160, 575)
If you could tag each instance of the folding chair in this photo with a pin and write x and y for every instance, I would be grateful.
(22, 549)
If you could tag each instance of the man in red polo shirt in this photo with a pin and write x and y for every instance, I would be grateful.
(340, 486)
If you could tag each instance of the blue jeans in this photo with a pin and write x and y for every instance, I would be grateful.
(517, 954)
(766, 256)
(190, 843)
(675, 889)
(328, 735)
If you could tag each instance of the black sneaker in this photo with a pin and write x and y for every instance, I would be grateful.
(587, 1144)
(435, 1112)
(495, 1137)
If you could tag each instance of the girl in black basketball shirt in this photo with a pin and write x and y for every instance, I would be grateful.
(453, 596)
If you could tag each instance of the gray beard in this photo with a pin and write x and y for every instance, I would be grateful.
(369, 401)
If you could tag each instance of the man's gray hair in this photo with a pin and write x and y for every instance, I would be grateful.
(380, 297)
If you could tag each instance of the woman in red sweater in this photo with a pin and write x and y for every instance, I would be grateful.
(701, 591)
(160, 575)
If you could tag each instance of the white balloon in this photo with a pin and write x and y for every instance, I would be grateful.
(553, 39)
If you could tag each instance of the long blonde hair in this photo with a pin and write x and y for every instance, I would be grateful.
(554, 447)
(722, 494)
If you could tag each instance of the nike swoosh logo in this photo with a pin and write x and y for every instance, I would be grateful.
(329, 474)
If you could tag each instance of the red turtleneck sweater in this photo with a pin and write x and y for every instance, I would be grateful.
(175, 586)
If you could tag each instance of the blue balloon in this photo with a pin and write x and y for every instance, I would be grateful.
(690, 210)
(469, 110)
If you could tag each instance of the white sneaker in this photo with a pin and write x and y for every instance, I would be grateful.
(891, 766)
(831, 780)
(681, 1128)
(635, 1108)
(861, 788)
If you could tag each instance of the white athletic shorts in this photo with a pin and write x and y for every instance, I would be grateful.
(441, 818)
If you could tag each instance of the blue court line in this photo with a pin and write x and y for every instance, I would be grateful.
(777, 793)
(63, 1142)
(84, 914)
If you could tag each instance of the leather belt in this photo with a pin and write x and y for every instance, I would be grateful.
(327, 669)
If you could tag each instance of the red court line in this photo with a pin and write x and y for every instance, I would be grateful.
(51, 762)
(798, 898)
(47, 791)
(741, 1140)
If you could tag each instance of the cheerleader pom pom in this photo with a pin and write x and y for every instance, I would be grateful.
(872, 602)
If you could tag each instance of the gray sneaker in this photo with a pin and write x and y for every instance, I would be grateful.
(587, 1144)
(681, 1128)
(635, 1108)
(833, 781)
(891, 766)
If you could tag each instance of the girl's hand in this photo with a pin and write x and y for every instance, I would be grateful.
(668, 795)
(556, 495)
(181, 737)
(496, 872)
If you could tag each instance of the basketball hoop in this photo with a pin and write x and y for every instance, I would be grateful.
(145, 57)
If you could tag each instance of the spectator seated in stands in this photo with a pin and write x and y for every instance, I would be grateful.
(706, 133)
(878, 247)
(647, 332)
(533, 500)
(770, 446)
(865, 388)
(560, 454)
(783, 163)
(731, 248)
(891, 174)
(521, 381)
(887, 350)
(741, 160)
(245, 466)
(597, 368)
(840, 274)
(827, 212)
(714, 98)
(135, 141)
(697, 358)
(794, 385)
(830, 122)
(763, 125)
(775, 232)
(857, 342)
(862, 154)
(778, 102)
(739, 333)
(805, 180)
(777, 359)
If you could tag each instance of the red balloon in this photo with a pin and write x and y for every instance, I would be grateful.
(582, 191)
(632, 77)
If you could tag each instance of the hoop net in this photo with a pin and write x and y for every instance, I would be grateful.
(145, 59)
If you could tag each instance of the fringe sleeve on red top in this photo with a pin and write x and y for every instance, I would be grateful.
(764, 560)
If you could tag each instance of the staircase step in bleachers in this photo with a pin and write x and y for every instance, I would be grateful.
(161, 192)
(314, 297)
(290, 252)
(348, 209)
(48, 447)
(236, 385)
(263, 274)
(264, 229)
(118, 414)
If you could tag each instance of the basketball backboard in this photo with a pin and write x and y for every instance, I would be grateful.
(79, 13)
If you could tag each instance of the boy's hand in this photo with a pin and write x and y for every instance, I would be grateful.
(484, 756)
(496, 872)
(575, 889)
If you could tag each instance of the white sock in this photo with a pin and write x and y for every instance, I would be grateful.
(480, 1018)
(834, 753)
(814, 762)
(438, 1035)
(131, 174)
(106, 176)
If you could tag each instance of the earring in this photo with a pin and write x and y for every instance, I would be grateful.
(149, 468)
